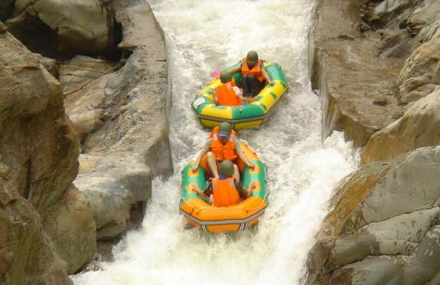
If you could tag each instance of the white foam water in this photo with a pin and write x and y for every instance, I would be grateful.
(203, 35)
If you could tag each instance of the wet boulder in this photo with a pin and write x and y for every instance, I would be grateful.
(382, 228)
(419, 126)
(27, 254)
(421, 74)
(71, 225)
(420, 268)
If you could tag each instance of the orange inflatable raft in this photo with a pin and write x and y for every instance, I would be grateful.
(198, 212)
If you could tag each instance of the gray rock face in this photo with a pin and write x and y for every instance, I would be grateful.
(418, 84)
(39, 153)
(130, 145)
(389, 8)
(113, 186)
(383, 226)
(27, 255)
(72, 228)
(49, 64)
(72, 26)
(34, 93)
(397, 44)
(359, 86)
(82, 69)
(398, 235)
(426, 14)
(419, 268)
(420, 126)
(421, 74)
(372, 270)
(356, 85)
(84, 80)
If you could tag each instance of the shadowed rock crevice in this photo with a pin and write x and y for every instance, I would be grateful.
(62, 29)
(6, 7)
(36, 36)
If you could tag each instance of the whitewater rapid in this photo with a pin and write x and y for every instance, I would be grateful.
(203, 35)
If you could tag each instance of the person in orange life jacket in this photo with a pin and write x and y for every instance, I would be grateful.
(226, 190)
(222, 145)
(227, 94)
(254, 75)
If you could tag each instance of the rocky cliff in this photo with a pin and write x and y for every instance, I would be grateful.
(109, 76)
(376, 68)
(121, 117)
(39, 153)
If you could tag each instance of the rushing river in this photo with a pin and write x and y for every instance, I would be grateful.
(203, 35)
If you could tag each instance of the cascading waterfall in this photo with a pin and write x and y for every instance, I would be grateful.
(203, 35)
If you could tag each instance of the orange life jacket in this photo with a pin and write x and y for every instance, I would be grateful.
(256, 70)
(226, 95)
(223, 151)
(225, 193)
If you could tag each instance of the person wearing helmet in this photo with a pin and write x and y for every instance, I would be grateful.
(221, 145)
(226, 190)
(227, 94)
(254, 75)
